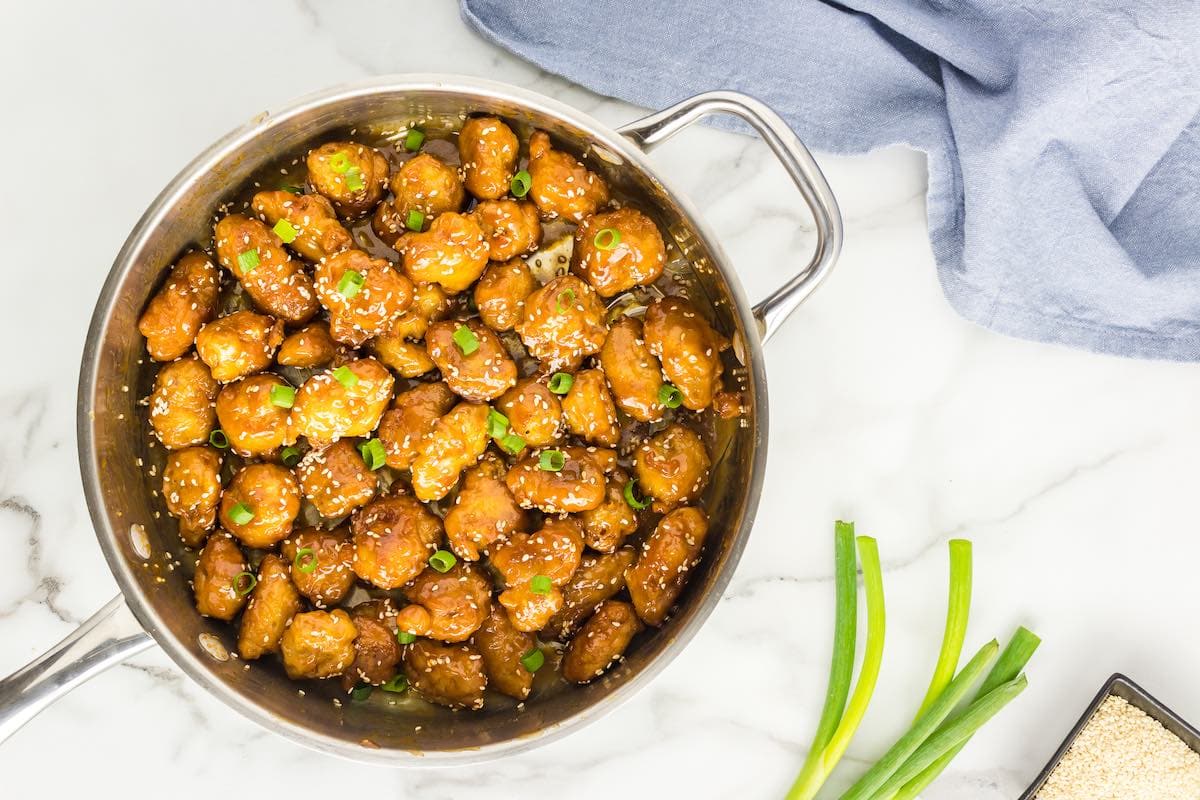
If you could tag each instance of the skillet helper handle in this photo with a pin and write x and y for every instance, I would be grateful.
(793, 155)
(108, 637)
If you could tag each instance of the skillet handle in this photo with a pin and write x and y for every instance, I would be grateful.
(108, 637)
(658, 127)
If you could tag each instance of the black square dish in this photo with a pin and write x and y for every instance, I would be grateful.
(1137, 697)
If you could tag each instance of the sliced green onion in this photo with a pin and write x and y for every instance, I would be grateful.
(290, 456)
(414, 139)
(292, 189)
(520, 184)
(396, 685)
(512, 444)
(404, 637)
(466, 340)
(874, 778)
(354, 179)
(351, 282)
(240, 514)
(551, 460)
(958, 609)
(243, 583)
(561, 382)
(533, 660)
(951, 738)
(1008, 668)
(305, 560)
(360, 693)
(566, 299)
(286, 231)
(415, 220)
(283, 396)
(218, 439)
(373, 454)
(442, 560)
(248, 261)
(607, 238)
(540, 584)
(345, 376)
(339, 162)
(631, 495)
(841, 670)
(497, 424)
(670, 396)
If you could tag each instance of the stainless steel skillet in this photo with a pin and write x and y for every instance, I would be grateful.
(156, 604)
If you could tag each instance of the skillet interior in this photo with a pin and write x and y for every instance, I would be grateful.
(116, 453)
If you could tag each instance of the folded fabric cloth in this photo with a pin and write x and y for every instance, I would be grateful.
(1063, 137)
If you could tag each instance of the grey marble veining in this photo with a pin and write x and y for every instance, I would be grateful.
(1073, 473)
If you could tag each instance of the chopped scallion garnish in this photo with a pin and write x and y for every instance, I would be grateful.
(670, 396)
(354, 179)
(360, 693)
(442, 560)
(396, 685)
(466, 340)
(512, 444)
(551, 460)
(533, 660)
(350, 284)
(218, 439)
(373, 454)
(540, 584)
(286, 231)
(607, 238)
(415, 220)
(240, 514)
(283, 396)
(290, 456)
(561, 382)
(497, 424)
(345, 376)
(339, 163)
(566, 299)
(248, 261)
(632, 496)
(243, 583)
(404, 637)
(520, 184)
(413, 140)
(305, 560)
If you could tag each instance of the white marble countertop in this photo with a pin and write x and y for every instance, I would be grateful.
(1073, 473)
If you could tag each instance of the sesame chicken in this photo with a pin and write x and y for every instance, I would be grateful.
(448, 396)
(618, 250)
(351, 176)
(600, 642)
(191, 487)
(186, 301)
(488, 149)
(561, 186)
(275, 282)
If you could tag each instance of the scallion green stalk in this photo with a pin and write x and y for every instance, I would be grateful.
(925, 726)
(952, 736)
(958, 609)
(868, 675)
(1016, 655)
(841, 670)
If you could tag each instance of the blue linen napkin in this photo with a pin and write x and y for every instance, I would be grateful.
(1063, 137)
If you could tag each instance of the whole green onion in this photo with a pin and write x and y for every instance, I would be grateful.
(841, 670)
(1016, 655)
(926, 724)
(958, 609)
